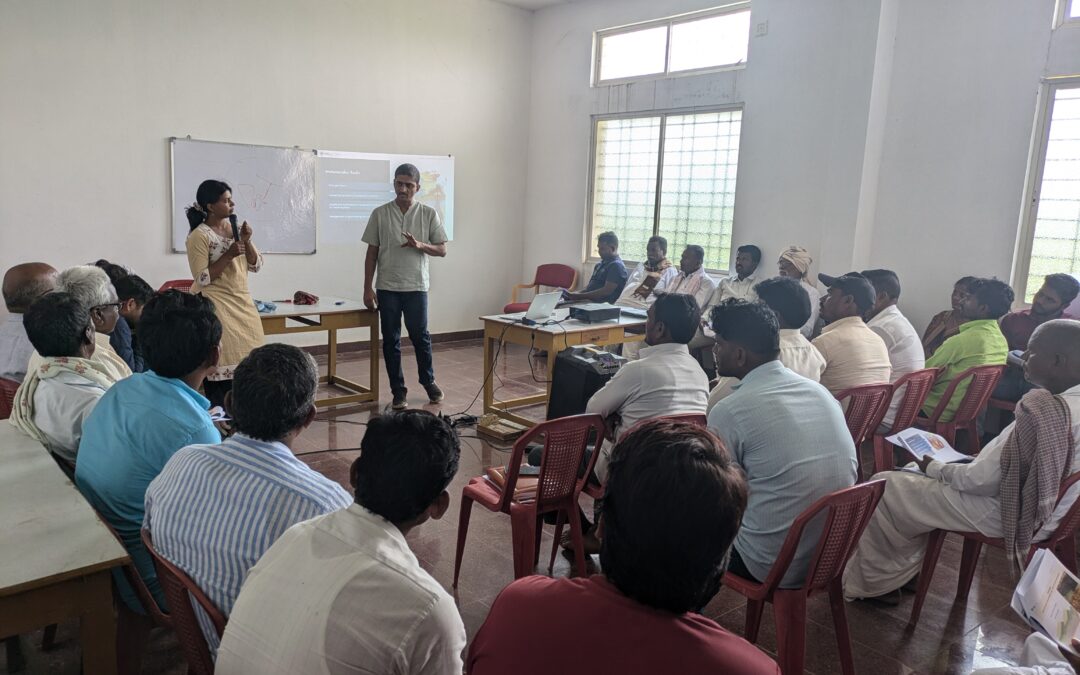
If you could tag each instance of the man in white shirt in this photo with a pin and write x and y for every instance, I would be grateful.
(656, 269)
(965, 497)
(738, 286)
(691, 280)
(854, 355)
(22, 285)
(664, 381)
(342, 593)
(790, 302)
(906, 353)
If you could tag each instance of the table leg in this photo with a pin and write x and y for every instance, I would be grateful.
(373, 341)
(97, 626)
(489, 374)
(331, 355)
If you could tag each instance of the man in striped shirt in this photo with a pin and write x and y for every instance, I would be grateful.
(215, 509)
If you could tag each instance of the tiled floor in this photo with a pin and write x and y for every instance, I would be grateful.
(951, 637)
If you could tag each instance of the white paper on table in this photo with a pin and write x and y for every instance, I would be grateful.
(923, 443)
(1048, 598)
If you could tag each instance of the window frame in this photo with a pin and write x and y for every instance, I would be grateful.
(669, 22)
(595, 120)
(1061, 14)
(1029, 212)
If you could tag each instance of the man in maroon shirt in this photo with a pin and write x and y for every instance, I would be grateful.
(672, 506)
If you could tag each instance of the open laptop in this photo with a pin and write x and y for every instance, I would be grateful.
(542, 306)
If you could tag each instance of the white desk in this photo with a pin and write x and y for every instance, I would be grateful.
(553, 338)
(55, 554)
(331, 315)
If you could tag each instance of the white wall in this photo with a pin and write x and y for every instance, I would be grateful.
(89, 93)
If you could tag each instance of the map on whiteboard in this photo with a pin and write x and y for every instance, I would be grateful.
(352, 184)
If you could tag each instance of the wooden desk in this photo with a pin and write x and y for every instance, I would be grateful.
(55, 554)
(330, 316)
(553, 338)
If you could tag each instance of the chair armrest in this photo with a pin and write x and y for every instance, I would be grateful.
(514, 293)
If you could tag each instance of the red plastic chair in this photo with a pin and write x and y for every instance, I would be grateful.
(552, 275)
(866, 407)
(7, 397)
(596, 491)
(918, 385)
(179, 590)
(983, 380)
(1062, 542)
(179, 284)
(846, 513)
(1001, 404)
(558, 488)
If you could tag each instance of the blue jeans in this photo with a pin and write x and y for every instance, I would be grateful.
(413, 304)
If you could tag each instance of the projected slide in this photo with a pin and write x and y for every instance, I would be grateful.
(352, 184)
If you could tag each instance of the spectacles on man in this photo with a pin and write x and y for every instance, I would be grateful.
(117, 305)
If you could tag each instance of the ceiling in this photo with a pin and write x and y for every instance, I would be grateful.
(534, 4)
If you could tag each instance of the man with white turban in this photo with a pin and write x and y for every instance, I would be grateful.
(795, 263)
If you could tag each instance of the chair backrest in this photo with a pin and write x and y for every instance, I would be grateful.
(179, 590)
(846, 513)
(918, 385)
(555, 275)
(179, 284)
(7, 397)
(565, 440)
(866, 407)
(1071, 521)
(983, 380)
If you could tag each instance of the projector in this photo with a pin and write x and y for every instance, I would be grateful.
(594, 312)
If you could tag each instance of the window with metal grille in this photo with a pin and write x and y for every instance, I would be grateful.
(671, 174)
(1052, 233)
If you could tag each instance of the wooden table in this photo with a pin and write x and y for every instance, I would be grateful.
(331, 315)
(55, 554)
(552, 338)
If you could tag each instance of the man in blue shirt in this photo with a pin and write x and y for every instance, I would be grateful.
(787, 433)
(143, 420)
(608, 277)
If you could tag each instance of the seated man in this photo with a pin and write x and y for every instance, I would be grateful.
(854, 355)
(342, 593)
(133, 294)
(691, 280)
(905, 347)
(786, 432)
(55, 399)
(979, 342)
(90, 285)
(650, 277)
(993, 494)
(674, 502)
(946, 323)
(664, 381)
(790, 302)
(144, 419)
(215, 509)
(794, 263)
(608, 277)
(738, 286)
(22, 285)
(1057, 293)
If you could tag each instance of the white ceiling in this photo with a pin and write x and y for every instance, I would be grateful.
(534, 4)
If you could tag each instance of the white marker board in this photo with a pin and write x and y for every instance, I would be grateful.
(352, 184)
(274, 190)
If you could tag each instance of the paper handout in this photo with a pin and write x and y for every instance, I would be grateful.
(1048, 598)
(922, 443)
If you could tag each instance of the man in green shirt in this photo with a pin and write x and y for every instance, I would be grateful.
(979, 342)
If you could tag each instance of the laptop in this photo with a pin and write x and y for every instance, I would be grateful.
(543, 306)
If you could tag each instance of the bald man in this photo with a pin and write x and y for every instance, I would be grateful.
(983, 495)
(22, 285)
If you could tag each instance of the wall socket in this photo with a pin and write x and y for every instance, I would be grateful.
(761, 28)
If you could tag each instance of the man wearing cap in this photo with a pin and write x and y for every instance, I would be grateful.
(905, 347)
(795, 263)
(854, 354)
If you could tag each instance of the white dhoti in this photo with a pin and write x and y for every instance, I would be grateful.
(1040, 657)
(891, 550)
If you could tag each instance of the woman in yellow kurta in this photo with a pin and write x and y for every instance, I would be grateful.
(219, 265)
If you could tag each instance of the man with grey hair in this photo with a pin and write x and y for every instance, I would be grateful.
(22, 285)
(91, 288)
(215, 509)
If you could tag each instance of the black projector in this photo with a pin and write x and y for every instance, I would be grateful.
(595, 312)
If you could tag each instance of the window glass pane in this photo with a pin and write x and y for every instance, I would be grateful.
(624, 188)
(1056, 247)
(716, 41)
(701, 154)
(631, 54)
(1074, 9)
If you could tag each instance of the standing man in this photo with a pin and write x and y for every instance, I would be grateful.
(400, 236)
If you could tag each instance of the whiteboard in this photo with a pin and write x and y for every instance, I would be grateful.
(274, 190)
(352, 184)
